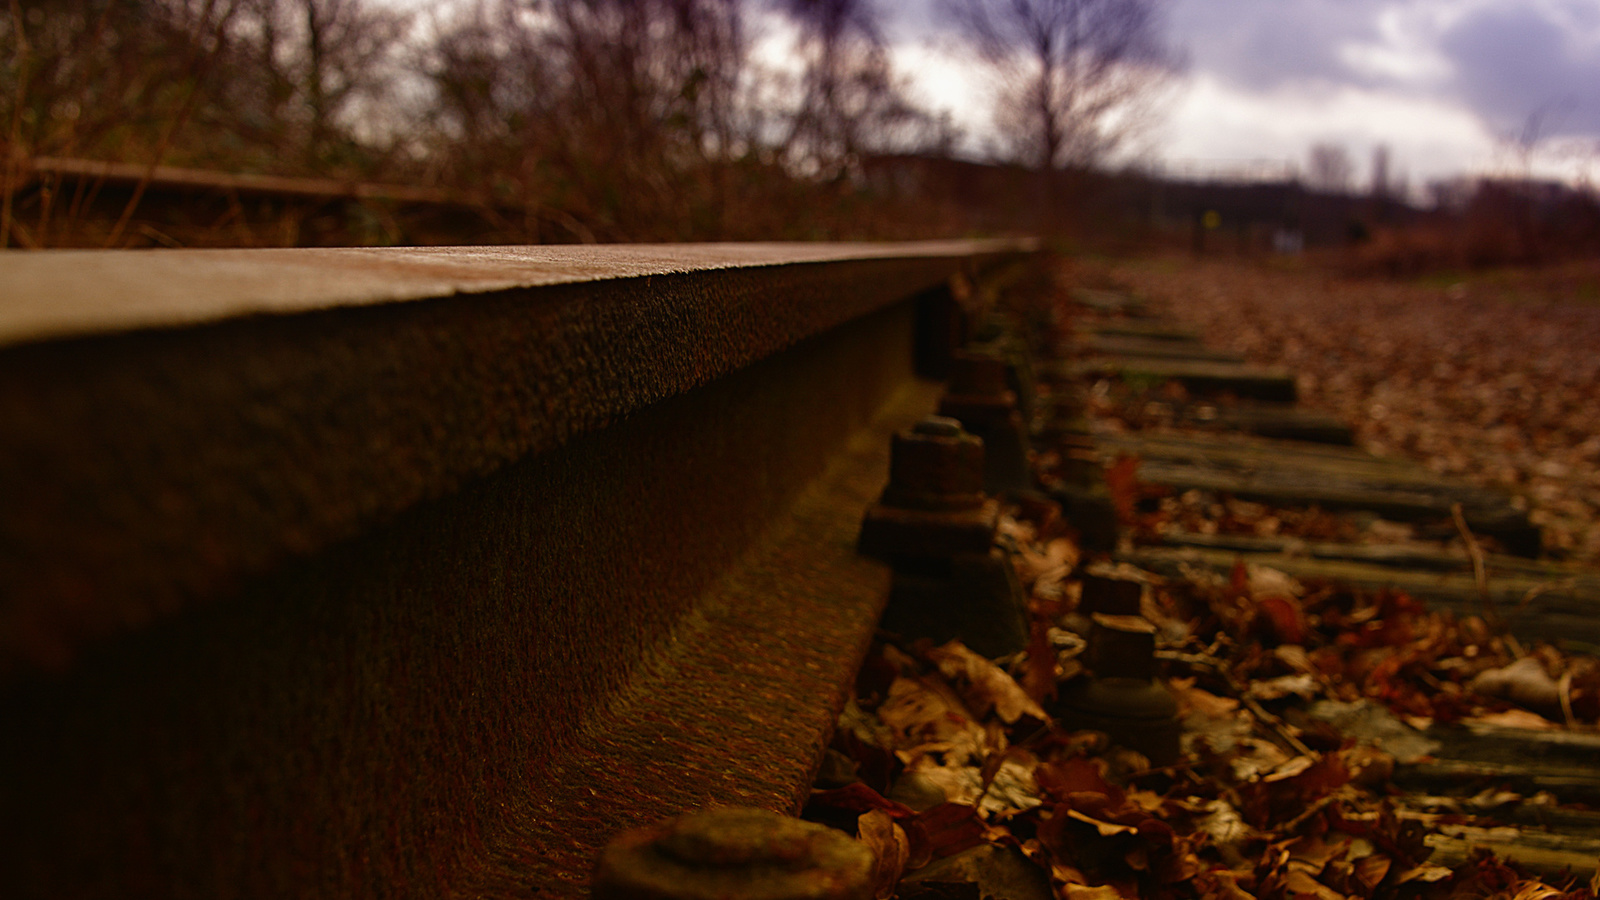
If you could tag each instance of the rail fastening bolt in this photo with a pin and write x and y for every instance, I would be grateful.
(734, 853)
(1124, 699)
(935, 466)
(934, 505)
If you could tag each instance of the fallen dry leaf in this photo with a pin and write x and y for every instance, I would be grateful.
(1106, 829)
(1427, 874)
(1524, 682)
(1222, 885)
(987, 686)
(1304, 686)
(1223, 825)
(1302, 883)
(1200, 701)
(926, 716)
(1512, 718)
(1534, 890)
(1085, 892)
(1370, 870)
(1265, 581)
(889, 844)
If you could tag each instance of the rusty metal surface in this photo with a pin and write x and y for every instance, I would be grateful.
(427, 598)
(736, 709)
(67, 293)
(469, 699)
(147, 470)
(104, 171)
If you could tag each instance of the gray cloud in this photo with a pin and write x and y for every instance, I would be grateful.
(1505, 60)
(1254, 43)
(1515, 61)
(1510, 60)
(1265, 44)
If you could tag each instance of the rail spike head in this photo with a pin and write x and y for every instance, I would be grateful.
(734, 853)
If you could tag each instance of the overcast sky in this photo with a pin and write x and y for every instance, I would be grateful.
(1446, 84)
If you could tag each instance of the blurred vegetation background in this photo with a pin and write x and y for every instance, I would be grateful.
(139, 123)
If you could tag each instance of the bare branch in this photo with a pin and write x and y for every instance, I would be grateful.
(1075, 70)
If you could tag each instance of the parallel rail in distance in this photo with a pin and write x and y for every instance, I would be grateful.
(322, 569)
(180, 178)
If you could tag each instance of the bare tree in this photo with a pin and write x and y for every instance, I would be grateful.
(104, 78)
(251, 84)
(660, 74)
(579, 119)
(1329, 168)
(622, 113)
(487, 70)
(309, 72)
(850, 101)
(1075, 72)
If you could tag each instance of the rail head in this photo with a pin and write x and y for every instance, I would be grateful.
(176, 421)
(73, 293)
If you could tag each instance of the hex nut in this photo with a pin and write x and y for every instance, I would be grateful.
(734, 853)
(1123, 698)
(1122, 646)
(935, 466)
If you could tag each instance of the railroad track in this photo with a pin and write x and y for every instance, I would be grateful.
(1205, 429)
(1215, 447)
(64, 202)
(367, 572)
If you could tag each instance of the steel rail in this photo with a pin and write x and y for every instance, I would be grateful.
(376, 572)
(177, 177)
